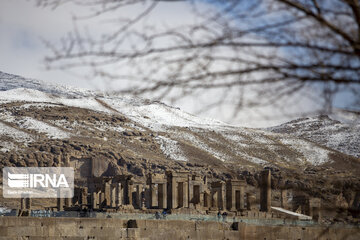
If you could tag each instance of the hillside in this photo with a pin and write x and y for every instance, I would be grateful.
(42, 124)
(341, 136)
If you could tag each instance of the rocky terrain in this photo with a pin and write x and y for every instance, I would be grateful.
(42, 124)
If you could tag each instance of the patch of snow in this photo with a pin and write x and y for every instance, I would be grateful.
(314, 155)
(24, 95)
(158, 116)
(171, 148)
(7, 146)
(86, 103)
(10, 81)
(253, 159)
(38, 105)
(200, 144)
(42, 127)
(14, 133)
(33, 124)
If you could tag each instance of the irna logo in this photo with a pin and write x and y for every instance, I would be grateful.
(38, 182)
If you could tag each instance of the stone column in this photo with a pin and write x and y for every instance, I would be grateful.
(138, 196)
(202, 202)
(283, 199)
(214, 198)
(265, 191)
(222, 197)
(68, 201)
(153, 197)
(60, 201)
(242, 195)
(162, 195)
(113, 196)
(190, 190)
(129, 192)
(186, 195)
(232, 201)
(94, 200)
(60, 204)
(107, 194)
(22, 203)
(84, 195)
(173, 194)
(119, 195)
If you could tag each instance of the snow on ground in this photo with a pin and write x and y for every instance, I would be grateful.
(325, 131)
(171, 148)
(158, 116)
(7, 146)
(33, 124)
(10, 81)
(35, 96)
(42, 127)
(313, 155)
(197, 142)
(24, 94)
(14, 133)
(253, 159)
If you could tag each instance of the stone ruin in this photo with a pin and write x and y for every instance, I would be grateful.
(182, 192)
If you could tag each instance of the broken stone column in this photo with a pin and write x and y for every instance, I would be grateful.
(84, 195)
(265, 190)
(284, 199)
(25, 202)
(60, 201)
(22, 203)
(60, 204)
(68, 200)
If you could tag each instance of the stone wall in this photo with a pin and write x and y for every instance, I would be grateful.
(92, 228)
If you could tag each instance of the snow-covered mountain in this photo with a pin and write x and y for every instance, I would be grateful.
(46, 125)
(10, 81)
(341, 136)
(36, 118)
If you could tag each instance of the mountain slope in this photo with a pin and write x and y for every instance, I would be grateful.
(325, 131)
(31, 113)
(47, 125)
